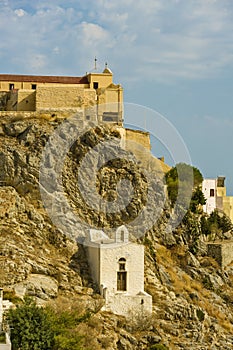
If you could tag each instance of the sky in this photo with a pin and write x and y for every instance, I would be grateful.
(174, 57)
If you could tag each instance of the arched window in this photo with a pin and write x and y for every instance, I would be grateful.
(122, 263)
(122, 275)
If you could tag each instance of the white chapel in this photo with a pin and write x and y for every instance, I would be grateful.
(117, 266)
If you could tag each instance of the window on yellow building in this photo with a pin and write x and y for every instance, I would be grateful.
(95, 85)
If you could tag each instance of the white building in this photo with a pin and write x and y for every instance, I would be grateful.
(117, 267)
(209, 189)
(4, 306)
(214, 190)
(1, 308)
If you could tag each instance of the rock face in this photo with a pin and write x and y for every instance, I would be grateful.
(44, 287)
(192, 295)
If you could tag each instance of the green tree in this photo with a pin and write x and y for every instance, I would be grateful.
(191, 231)
(225, 223)
(31, 329)
(197, 199)
(214, 218)
(185, 179)
(205, 226)
(216, 222)
(184, 172)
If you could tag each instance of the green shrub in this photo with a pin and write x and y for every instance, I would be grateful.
(2, 338)
(158, 347)
(200, 315)
(31, 329)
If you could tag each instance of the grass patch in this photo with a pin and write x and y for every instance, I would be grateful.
(10, 295)
(214, 312)
(164, 257)
(158, 347)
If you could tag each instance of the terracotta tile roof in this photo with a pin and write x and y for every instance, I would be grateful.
(43, 79)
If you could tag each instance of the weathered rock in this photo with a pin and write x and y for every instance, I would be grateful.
(37, 285)
(14, 129)
(191, 260)
(192, 297)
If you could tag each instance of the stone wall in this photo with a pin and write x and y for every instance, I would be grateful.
(57, 97)
(228, 206)
(139, 137)
(4, 96)
(222, 252)
(26, 100)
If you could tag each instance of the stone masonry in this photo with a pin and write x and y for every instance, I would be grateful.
(222, 252)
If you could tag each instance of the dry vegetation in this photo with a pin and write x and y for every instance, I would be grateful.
(182, 284)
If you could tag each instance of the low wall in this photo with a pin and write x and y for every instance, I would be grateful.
(6, 346)
(222, 252)
(47, 113)
(129, 305)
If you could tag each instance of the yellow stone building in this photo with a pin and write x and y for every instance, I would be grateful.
(226, 202)
(93, 95)
(28, 93)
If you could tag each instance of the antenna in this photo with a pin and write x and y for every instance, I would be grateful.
(95, 67)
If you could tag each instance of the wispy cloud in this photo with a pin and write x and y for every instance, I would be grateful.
(166, 41)
(224, 123)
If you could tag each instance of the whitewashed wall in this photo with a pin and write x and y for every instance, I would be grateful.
(211, 203)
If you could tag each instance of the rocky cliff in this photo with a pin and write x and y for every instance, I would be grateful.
(192, 295)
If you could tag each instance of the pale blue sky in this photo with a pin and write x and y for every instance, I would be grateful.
(174, 56)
